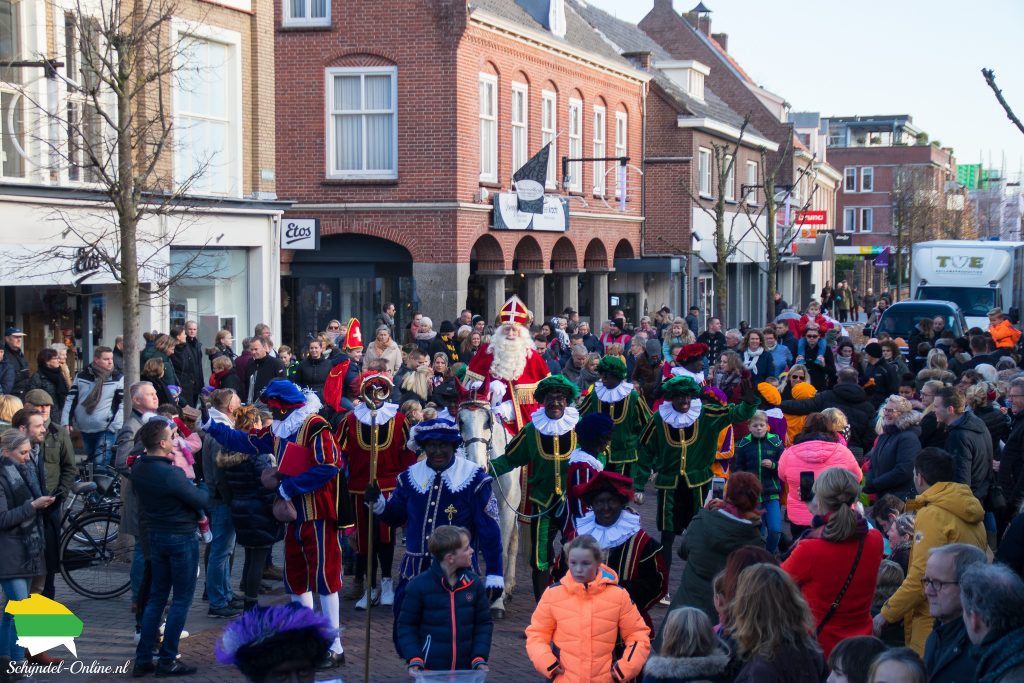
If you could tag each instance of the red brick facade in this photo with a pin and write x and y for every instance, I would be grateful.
(433, 208)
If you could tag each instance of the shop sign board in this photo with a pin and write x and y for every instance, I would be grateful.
(75, 265)
(301, 234)
(507, 215)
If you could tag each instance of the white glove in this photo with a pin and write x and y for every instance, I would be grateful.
(280, 492)
(497, 392)
(504, 411)
(474, 384)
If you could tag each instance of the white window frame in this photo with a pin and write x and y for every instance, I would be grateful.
(621, 146)
(575, 128)
(12, 89)
(704, 172)
(867, 220)
(548, 132)
(730, 179)
(753, 168)
(332, 172)
(305, 21)
(488, 138)
(695, 84)
(600, 149)
(74, 97)
(867, 179)
(850, 174)
(520, 127)
(235, 152)
(850, 220)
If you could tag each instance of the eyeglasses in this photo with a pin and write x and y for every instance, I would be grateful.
(936, 585)
(810, 335)
(333, 328)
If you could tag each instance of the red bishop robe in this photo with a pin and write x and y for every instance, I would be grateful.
(518, 392)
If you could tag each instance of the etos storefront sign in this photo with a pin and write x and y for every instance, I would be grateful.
(300, 233)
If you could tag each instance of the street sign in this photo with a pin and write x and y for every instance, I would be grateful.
(300, 233)
(811, 218)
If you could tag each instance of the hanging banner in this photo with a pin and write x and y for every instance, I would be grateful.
(507, 215)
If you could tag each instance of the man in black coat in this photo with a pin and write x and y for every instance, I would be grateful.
(262, 368)
(886, 379)
(14, 359)
(849, 397)
(1011, 464)
(589, 339)
(968, 441)
(191, 377)
(948, 655)
(714, 339)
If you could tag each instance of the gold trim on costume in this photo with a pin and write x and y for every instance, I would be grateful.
(382, 445)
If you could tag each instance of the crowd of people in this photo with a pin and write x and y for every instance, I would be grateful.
(845, 510)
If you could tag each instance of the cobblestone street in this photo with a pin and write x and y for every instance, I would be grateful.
(107, 637)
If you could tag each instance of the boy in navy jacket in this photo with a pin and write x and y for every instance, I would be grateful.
(758, 453)
(445, 622)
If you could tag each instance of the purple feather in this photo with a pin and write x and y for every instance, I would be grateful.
(264, 623)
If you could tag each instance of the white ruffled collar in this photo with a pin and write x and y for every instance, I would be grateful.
(456, 477)
(443, 414)
(548, 427)
(384, 414)
(678, 420)
(612, 536)
(680, 371)
(621, 391)
(292, 422)
(775, 412)
(581, 456)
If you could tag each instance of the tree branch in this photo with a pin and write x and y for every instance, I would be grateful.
(990, 78)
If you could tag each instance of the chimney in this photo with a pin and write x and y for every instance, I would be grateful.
(700, 18)
(641, 59)
(722, 39)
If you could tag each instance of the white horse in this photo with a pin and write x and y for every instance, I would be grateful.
(485, 441)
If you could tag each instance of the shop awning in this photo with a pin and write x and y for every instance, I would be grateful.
(651, 265)
(821, 249)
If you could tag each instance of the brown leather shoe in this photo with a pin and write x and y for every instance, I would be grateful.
(273, 573)
(44, 659)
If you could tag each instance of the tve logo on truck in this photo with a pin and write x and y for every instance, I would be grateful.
(976, 275)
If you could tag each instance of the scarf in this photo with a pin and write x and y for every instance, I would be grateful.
(843, 362)
(750, 358)
(56, 377)
(93, 399)
(425, 336)
(25, 486)
(449, 344)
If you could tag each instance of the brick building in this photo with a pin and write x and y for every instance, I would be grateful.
(688, 37)
(56, 220)
(400, 131)
(896, 189)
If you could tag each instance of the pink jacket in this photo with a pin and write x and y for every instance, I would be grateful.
(811, 456)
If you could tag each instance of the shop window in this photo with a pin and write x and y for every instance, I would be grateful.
(211, 286)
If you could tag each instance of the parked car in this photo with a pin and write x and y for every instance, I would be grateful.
(901, 319)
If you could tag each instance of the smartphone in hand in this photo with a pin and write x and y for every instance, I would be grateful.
(718, 488)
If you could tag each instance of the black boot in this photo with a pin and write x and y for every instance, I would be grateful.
(250, 603)
(541, 579)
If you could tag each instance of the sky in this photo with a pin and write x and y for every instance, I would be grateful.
(917, 57)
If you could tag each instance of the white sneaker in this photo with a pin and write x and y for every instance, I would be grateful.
(667, 601)
(372, 596)
(387, 592)
(183, 636)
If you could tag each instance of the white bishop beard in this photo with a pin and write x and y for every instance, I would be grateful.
(509, 354)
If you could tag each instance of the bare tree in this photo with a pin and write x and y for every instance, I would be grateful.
(117, 134)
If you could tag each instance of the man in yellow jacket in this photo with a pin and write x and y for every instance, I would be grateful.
(947, 512)
(1004, 334)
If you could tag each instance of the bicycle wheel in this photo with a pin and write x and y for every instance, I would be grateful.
(91, 523)
(95, 561)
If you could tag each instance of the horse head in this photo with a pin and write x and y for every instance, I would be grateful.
(476, 425)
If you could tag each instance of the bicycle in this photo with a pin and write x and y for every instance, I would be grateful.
(94, 558)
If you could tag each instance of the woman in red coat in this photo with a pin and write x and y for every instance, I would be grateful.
(842, 542)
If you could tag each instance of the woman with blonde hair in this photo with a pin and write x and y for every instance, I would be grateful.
(936, 367)
(9, 405)
(892, 458)
(981, 399)
(731, 377)
(772, 627)
(584, 616)
(162, 350)
(839, 599)
(222, 346)
(838, 423)
(384, 348)
(417, 385)
(690, 651)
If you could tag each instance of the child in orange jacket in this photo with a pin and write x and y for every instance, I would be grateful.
(1004, 334)
(583, 615)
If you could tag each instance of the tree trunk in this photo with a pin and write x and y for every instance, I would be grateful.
(722, 252)
(126, 202)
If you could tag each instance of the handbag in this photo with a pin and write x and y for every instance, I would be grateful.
(842, 591)
(284, 510)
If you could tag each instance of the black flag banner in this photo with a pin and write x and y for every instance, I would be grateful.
(530, 180)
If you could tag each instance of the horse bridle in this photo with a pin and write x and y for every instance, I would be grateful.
(485, 406)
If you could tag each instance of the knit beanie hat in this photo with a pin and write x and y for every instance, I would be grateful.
(804, 390)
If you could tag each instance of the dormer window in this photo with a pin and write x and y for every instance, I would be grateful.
(686, 74)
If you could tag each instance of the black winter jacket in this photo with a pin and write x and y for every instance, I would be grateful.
(749, 454)
(948, 655)
(969, 442)
(259, 374)
(892, 458)
(251, 503)
(933, 432)
(18, 364)
(887, 381)
(792, 665)
(715, 342)
(439, 623)
(997, 422)
(1011, 464)
(20, 522)
(170, 503)
(853, 401)
(313, 373)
